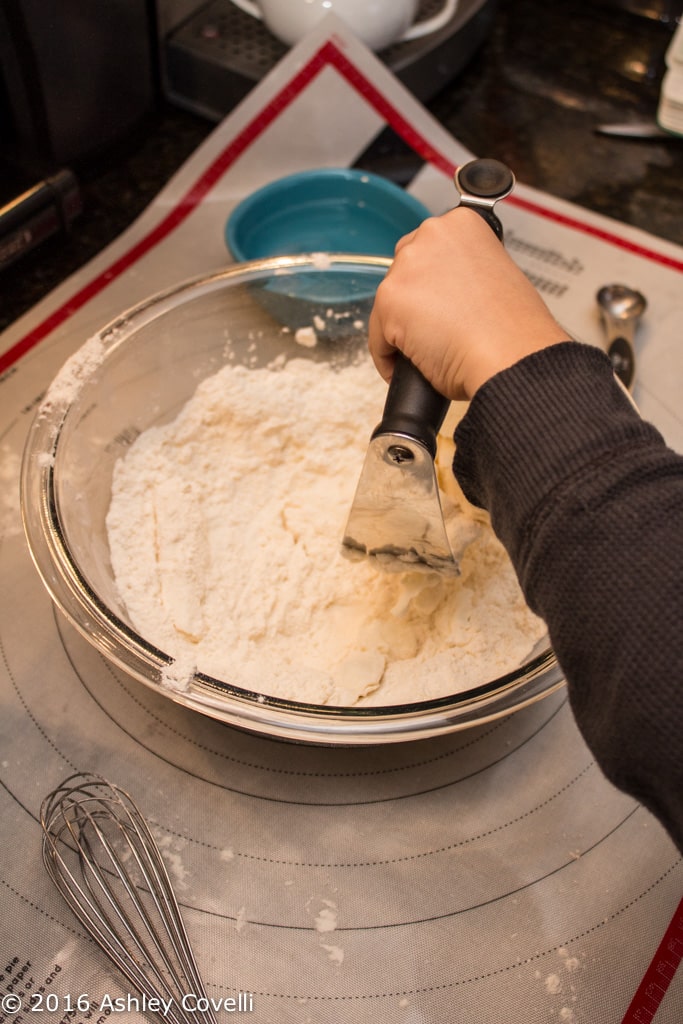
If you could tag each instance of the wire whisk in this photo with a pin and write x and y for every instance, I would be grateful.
(104, 860)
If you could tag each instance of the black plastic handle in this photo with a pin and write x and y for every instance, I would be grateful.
(413, 406)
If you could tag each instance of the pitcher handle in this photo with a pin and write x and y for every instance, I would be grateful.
(249, 7)
(423, 28)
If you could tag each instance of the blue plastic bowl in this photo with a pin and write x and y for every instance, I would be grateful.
(329, 210)
(326, 210)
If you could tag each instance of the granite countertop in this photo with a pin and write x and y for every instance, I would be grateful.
(532, 95)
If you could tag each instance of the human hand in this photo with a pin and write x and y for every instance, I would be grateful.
(455, 303)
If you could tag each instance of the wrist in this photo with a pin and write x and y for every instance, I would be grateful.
(490, 362)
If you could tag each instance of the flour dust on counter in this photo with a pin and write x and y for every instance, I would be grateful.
(225, 530)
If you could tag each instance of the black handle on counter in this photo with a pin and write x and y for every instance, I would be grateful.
(44, 210)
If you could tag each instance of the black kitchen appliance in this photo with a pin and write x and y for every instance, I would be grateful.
(75, 76)
(214, 55)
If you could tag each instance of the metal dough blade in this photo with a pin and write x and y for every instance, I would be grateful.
(396, 514)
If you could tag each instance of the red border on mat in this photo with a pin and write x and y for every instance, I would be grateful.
(328, 54)
(659, 974)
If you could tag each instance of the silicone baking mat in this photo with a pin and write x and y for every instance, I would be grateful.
(492, 875)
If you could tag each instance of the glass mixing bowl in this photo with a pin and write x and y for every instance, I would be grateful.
(140, 370)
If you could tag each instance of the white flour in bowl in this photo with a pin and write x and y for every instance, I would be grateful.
(225, 531)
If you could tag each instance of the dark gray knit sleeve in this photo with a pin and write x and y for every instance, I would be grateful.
(588, 500)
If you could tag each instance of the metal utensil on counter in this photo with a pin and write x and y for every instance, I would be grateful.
(396, 513)
(637, 130)
(102, 857)
(621, 308)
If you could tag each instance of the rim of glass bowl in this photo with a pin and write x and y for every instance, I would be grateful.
(231, 704)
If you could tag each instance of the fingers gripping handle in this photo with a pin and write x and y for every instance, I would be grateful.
(414, 408)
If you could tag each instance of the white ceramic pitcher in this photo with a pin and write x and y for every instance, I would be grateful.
(379, 23)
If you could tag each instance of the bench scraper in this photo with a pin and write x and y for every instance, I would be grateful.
(396, 514)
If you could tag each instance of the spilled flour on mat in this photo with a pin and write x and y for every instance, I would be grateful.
(225, 531)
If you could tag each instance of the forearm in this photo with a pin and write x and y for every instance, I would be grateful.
(589, 503)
